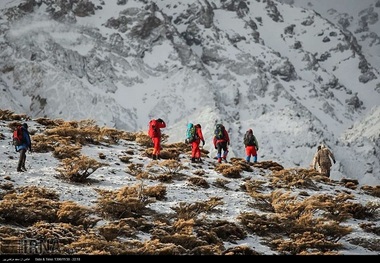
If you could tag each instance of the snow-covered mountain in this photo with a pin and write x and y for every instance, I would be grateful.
(296, 76)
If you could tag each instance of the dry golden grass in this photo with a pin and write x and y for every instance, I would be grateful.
(229, 171)
(307, 223)
(70, 212)
(192, 210)
(199, 181)
(66, 151)
(371, 190)
(117, 229)
(77, 169)
(128, 201)
(10, 115)
(28, 205)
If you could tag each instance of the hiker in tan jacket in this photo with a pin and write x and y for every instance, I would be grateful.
(314, 164)
(323, 160)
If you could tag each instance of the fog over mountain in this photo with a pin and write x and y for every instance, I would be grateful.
(298, 74)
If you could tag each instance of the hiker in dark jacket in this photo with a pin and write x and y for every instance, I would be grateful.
(221, 144)
(251, 146)
(26, 145)
(195, 151)
(323, 160)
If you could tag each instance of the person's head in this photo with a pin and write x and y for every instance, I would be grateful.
(250, 131)
(198, 126)
(319, 147)
(25, 125)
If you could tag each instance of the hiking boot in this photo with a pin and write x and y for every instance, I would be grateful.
(193, 160)
(24, 169)
(225, 159)
(200, 160)
(219, 160)
(154, 157)
(19, 170)
(158, 157)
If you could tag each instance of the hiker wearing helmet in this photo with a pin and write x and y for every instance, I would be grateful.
(323, 160)
(23, 147)
(251, 146)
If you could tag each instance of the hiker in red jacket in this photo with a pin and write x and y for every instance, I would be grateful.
(221, 140)
(195, 151)
(155, 134)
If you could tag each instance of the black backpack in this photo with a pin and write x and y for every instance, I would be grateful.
(249, 139)
(219, 132)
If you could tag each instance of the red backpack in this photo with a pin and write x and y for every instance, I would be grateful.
(17, 136)
(152, 131)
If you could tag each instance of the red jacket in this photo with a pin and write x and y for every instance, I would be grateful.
(225, 139)
(155, 132)
(199, 133)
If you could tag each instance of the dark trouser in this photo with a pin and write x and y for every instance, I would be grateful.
(221, 146)
(21, 160)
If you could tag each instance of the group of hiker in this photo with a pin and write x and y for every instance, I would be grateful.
(221, 140)
(194, 136)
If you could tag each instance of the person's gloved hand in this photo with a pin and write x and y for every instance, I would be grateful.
(160, 120)
(228, 143)
(203, 142)
(334, 161)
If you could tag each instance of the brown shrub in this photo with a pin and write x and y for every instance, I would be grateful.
(372, 190)
(8, 115)
(198, 181)
(30, 205)
(66, 152)
(192, 210)
(120, 228)
(70, 212)
(125, 159)
(240, 250)
(77, 169)
(64, 233)
(171, 166)
(229, 171)
(126, 202)
(306, 244)
(299, 178)
(143, 139)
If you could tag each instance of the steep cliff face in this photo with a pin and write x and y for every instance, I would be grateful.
(294, 77)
